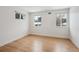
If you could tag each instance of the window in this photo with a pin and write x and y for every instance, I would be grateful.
(19, 15)
(37, 20)
(61, 19)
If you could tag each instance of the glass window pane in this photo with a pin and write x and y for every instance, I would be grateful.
(37, 20)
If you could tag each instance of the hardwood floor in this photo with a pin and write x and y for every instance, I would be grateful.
(33, 43)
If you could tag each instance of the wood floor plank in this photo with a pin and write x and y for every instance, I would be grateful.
(35, 43)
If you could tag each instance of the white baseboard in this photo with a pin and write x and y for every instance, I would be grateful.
(4, 43)
(19, 37)
(50, 35)
(75, 43)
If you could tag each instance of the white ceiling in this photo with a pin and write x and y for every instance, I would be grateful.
(43, 8)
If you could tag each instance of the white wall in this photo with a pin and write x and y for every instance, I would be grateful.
(11, 28)
(48, 27)
(74, 25)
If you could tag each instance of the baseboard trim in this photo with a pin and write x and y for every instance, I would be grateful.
(20, 37)
(74, 43)
(49, 36)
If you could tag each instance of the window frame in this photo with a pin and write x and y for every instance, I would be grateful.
(37, 21)
(60, 20)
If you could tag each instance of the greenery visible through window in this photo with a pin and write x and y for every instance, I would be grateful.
(37, 20)
(61, 19)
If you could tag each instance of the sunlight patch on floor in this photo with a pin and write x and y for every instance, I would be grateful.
(37, 46)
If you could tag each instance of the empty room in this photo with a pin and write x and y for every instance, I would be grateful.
(39, 29)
